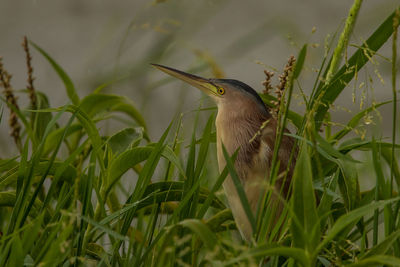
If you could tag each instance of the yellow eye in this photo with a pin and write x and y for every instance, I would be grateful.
(221, 90)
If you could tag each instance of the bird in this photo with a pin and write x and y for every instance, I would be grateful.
(243, 123)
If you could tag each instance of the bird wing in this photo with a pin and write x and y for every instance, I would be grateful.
(285, 158)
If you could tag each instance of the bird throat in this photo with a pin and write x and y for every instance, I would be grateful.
(238, 130)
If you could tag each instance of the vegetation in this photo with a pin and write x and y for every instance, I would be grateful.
(64, 198)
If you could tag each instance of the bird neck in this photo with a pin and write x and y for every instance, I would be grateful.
(237, 128)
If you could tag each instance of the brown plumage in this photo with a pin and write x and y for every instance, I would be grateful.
(243, 122)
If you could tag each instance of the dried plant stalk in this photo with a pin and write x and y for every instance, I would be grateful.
(267, 83)
(283, 80)
(30, 87)
(11, 99)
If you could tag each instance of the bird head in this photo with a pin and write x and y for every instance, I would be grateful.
(225, 92)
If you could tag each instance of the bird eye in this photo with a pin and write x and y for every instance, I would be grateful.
(221, 90)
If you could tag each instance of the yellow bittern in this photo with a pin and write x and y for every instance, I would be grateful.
(243, 122)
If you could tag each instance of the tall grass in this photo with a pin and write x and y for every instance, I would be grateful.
(64, 200)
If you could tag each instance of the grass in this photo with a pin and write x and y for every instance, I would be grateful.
(64, 199)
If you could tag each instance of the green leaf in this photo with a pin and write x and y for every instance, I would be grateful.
(17, 252)
(41, 119)
(383, 246)
(348, 184)
(305, 227)
(214, 189)
(355, 120)
(55, 136)
(352, 66)
(129, 158)
(68, 175)
(331, 151)
(201, 229)
(378, 260)
(271, 250)
(69, 86)
(350, 218)
(59, 248)
(94, 104)
(239, 188)
(144, 179)
(387, 155)
(300, 62)
(123, 162)
(359, 144)
(216, 221)
(124, 139)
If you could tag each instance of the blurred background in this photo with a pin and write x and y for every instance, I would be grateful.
(114, 42)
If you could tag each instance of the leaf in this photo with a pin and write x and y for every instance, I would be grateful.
(17, 252)
(60, 247)
(7, 164)
(214, 189)
(68, 175)
(350, 218)
(216, 221)
(169, 154)
(123, 162)
(355, 120)
(41, 119)
(330, 150)
(124, 139)
(94, 249)
(239, 188)
(383, 246)
(69, 86)
(300, 62)
(359, 144)
(201, 229)
(129, 158)
(271, 250)
(32, 233)
(91, 131)
(348, 184)
(352, 66)
(305, 227)
(143, 180)
(387, 155)
(54, 137)
(378, 260)
(94, 104)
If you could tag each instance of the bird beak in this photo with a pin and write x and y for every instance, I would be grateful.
(203, 84)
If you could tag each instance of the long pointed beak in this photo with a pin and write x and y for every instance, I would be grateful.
(199, 82)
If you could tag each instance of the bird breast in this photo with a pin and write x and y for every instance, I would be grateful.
(238, 131)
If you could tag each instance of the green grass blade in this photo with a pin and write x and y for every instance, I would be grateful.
(144, 178)
(354, 64)
(267, 250)
(350, 218)
(202, 230)
(124, 139)
(300, 62)
(305, 227)
(216, 186)
(383, 246)
(239, 189)
(378, 260)
(355, 120)
(95, 104)
(69, 85)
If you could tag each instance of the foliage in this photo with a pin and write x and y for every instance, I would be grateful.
(64, 198)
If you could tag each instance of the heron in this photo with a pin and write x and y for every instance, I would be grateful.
(244, 123)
